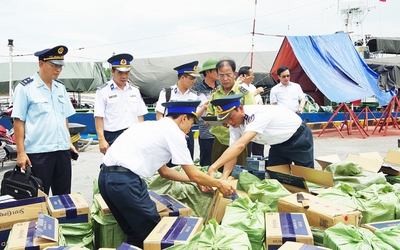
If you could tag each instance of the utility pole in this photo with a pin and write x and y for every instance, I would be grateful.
(10, 91)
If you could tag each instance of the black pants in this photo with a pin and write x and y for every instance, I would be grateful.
(126, 195)
(54, 169)
(206, 147)
(298, 149)
(254, 148)
(112, 136)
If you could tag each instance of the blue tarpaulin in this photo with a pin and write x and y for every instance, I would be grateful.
(333, 65)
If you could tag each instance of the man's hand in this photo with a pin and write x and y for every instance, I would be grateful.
(226, 188)
(23, 160)
(103, 146)
(205, 189)
(211, 172)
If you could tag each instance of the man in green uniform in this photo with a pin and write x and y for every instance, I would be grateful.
(226, 70)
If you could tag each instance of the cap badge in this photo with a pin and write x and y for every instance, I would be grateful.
(123, 62)
(60, 50)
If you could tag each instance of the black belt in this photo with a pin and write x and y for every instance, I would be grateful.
(113, 168)
(300, 129)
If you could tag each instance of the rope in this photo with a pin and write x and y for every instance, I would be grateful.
(75, 138)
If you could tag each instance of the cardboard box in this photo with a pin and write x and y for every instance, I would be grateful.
(322, 213)
(256, 163)
(239, 169)
(294, 178)
(41, 233)
(67, 248)
(169, 206)
(369, 161)
(172, 230)
(381, 224)
(125, 246)
(391, 164)
(282, 227)
(102, 204)
(69, 208)
(290, 245)
(219, 203)
(25, 209)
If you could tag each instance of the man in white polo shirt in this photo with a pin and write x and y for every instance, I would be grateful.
(290, 138)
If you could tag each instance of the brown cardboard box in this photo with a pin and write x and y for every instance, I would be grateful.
(381, 224)
(45, 226)
(219, 203)
(294, 178)
(13, 211)
(290, 245)
(369, 161)
(75, 204)
(102, 204)
(169, 206)
(25, 209)
(172, 230)
(281, 227)
(391, 164)
(322, 213)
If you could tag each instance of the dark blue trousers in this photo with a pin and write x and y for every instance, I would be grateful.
(206, 146)
(112, 136)
(298, 149)
(126, 195)
(54, 169)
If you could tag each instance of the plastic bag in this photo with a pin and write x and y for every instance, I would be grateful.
(389, 235)
(249, 217)
(349, 237)
(268, 192)
(214, 236)
(354, 175)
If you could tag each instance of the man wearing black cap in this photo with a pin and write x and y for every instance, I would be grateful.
(290, 138)
(41, 110)
(131, 157)
(206, 88)
(118, 103)
(182, 91)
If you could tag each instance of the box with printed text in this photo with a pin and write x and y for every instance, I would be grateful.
(282, 227)
(69, 208)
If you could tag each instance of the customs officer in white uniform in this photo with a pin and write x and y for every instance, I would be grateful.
(182, 91)
(140, 151)
(290, 138)
(118, 103)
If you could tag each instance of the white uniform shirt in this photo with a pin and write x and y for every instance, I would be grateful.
(119, 108)
(176, 95)
(251, 88)
(147, 146)
(274, 124)
(287, 96)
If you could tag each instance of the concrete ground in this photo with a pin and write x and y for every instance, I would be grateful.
(86, 168)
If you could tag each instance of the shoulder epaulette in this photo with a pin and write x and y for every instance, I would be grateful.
(134, 85)
(102, 86)
(59, 81)
(193, 91)
(241, 88)
(26, 81)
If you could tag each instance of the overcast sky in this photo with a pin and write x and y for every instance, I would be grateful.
(95, 29)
